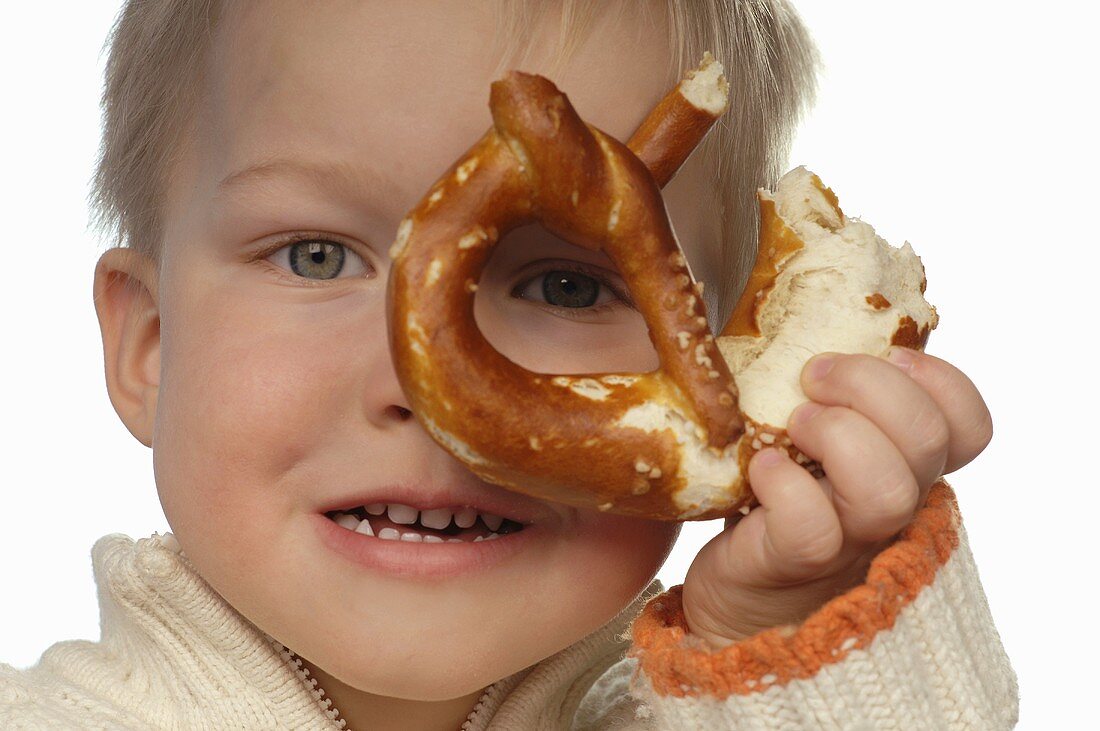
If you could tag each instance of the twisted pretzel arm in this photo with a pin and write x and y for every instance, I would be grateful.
(680, 121)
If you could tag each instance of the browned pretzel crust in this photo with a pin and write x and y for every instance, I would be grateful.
(585, 440)
(675, 443)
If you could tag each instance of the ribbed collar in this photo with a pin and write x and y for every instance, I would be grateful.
(174, 652)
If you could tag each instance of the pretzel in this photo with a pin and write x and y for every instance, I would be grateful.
(671, 444)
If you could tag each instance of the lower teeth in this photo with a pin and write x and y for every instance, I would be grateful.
(391, 534)
(350, 522)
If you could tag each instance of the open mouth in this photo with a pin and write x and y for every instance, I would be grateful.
(442, 525)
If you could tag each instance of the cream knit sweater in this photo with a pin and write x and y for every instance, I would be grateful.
(912, 648)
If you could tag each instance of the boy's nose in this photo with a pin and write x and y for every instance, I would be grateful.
(381, 398)
(389, 407)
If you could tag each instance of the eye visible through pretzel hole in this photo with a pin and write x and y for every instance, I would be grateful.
(602, 333)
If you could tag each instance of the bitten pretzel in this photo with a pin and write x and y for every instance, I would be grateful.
(671, 444)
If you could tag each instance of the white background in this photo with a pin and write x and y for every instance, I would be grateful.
(966, 128)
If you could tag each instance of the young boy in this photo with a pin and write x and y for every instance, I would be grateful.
(257, 160)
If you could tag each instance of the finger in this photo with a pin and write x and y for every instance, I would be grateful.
(900, 407)
(967, 415)
(794, 534)
(874, 490)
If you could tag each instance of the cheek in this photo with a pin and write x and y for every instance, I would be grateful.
(545, 343)
(251, 386)
(620, 555)
(599, 566)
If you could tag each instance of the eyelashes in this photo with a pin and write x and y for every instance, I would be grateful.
(311, 259)
(593, 274)
(309, 253)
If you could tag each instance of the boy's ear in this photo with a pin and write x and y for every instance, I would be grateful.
(128, 308)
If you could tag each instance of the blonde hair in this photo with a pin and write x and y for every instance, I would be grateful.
(158, 51)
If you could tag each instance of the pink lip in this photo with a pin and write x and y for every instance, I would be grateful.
(423, 560)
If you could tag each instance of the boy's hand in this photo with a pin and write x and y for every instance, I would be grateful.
(884, 432)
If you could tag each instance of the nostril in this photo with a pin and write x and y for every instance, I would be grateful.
(402, 412)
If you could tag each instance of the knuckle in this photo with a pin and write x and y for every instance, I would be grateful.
(896, 502)
(837, 425)
(833, 418)
(933, 433)
(853, 369)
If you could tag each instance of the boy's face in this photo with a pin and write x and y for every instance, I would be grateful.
(277, 395)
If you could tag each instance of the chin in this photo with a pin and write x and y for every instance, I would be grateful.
(428, 674)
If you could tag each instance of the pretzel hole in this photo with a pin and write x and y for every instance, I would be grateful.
(540, 333)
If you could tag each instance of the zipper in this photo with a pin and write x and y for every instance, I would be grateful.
(489, 692)
(318, 693)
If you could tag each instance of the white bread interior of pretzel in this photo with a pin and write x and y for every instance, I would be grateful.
(706, 87)
(844, 290)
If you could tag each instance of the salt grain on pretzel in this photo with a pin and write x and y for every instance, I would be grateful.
(674, 443)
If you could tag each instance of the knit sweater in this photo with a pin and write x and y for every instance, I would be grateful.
(913, 647)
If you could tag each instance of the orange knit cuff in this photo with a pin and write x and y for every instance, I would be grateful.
(680, 664)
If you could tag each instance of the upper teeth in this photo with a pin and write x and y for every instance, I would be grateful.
(438, 518)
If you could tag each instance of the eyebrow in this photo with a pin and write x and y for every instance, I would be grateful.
(336, 177)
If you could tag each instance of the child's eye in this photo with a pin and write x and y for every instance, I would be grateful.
(569, 288)
(317, 258)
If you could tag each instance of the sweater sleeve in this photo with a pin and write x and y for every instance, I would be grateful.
(913, 647)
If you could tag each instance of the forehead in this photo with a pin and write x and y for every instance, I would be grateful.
(397, 91)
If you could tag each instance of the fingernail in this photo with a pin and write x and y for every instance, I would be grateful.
(820, 365)
(805, 412)
(901, 357)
